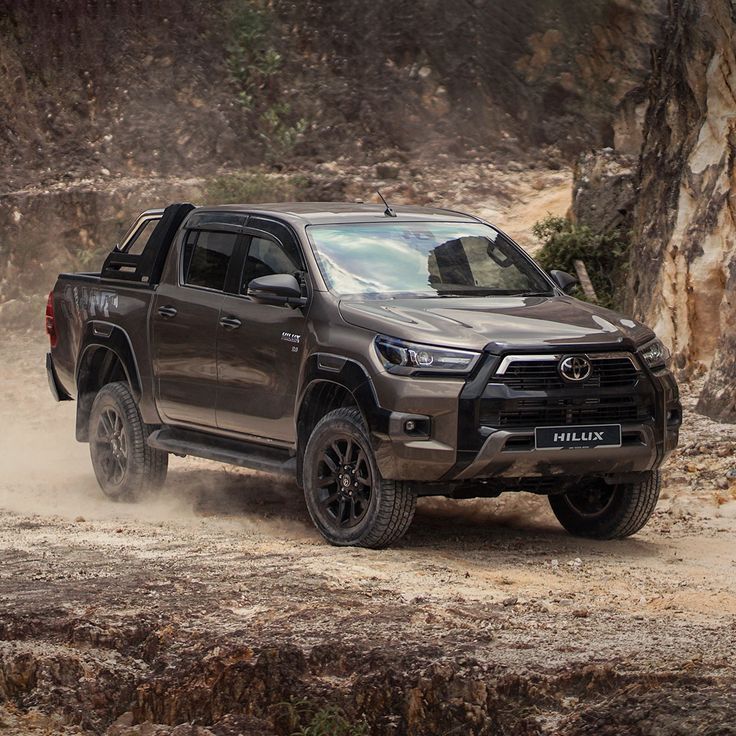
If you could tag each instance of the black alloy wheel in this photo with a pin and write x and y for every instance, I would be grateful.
(125, 465)
(349, 501)
(601, 511)
(110, 447)
(345, 481)
(592, 501)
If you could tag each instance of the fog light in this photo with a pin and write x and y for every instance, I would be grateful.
(416, 427)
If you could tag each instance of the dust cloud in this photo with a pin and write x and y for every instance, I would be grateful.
(44, 471)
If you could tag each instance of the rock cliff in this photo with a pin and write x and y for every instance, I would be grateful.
(683, 257)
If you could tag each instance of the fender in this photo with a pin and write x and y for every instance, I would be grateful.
(99, 334)
(92, 372)
(323, 370)
(350, 375)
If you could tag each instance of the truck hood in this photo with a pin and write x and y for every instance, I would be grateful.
(495, 322)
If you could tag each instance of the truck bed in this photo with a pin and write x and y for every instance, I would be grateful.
(88, 306)
(113, 304)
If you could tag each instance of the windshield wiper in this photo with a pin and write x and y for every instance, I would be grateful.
(492, 292)
(468, 292)
(476, 291)
(530, 293)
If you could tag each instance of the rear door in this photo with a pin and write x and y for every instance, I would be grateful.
(260, 346)
(184, 328)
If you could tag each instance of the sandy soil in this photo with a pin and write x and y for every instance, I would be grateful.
(486, 588)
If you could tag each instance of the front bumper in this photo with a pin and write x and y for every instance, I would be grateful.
(483, 430)
(501, 456)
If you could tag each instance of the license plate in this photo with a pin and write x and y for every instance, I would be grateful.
(577, 438)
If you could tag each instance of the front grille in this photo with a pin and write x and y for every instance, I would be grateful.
(568, 411)
(542, 375)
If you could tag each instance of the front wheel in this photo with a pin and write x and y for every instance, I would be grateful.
(349, 502)
(124, 464)
(602, 511)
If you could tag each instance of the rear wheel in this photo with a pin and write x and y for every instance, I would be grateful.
(602, 511)
(348, 501)
(124, 464)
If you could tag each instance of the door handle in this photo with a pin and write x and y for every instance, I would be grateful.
(230, 323)
(167, 312)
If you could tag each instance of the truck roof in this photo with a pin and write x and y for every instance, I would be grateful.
(326, 213)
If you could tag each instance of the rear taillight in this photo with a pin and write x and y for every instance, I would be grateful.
(50, 323)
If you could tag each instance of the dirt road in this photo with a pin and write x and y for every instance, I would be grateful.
(216, 603)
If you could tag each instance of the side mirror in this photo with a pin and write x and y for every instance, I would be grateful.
(277, 288)
(564, 280)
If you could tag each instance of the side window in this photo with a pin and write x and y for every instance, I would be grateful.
(206, 257)
(266, 257)
(140, 239)
(187, 250)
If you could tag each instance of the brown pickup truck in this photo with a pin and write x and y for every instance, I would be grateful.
(371, 355)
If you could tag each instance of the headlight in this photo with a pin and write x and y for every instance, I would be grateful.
(655, 354)
(408, 358)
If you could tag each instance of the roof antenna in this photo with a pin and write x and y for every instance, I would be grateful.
(388, 211)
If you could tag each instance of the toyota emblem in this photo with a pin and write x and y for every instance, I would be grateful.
(575, 368)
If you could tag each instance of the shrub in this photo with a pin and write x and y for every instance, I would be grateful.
(252, 58)
(255, 63)
(328, 720)
(252, 187)
(604, 254)
(87, 259)
(331, 721)
(278, 133)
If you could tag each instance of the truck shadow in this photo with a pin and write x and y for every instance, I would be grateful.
(519, 522)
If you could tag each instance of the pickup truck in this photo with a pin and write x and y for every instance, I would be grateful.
(372, 355)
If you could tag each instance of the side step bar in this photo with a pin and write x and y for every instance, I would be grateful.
(222, 449)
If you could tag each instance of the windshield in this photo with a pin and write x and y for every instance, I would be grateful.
(424, 259)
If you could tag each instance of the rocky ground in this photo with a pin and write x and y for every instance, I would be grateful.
(216, 608)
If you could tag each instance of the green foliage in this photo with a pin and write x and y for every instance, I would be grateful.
(91, 259)
(251, 57)
(252, 187)
(254, 63)
(329, 720)
(604, 254)
(278, 133)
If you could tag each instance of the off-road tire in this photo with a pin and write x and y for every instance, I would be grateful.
(144, 468)
(626, 512)
(389, 508)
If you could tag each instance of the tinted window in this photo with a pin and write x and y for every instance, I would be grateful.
(140, 239)
(280, 232)
(266, 257)
(206, 258)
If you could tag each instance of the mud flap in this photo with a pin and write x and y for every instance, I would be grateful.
(57, 390)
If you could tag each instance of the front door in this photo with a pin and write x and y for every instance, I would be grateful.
(184, 326)
(259, 350)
